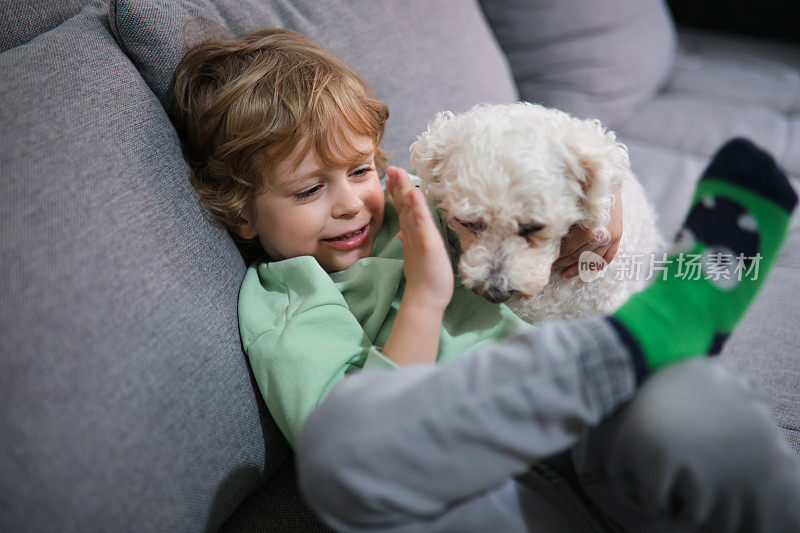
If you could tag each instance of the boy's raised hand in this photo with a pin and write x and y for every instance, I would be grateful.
(427, 267)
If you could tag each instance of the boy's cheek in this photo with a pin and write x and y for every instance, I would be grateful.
(377, 203)
(378, 216)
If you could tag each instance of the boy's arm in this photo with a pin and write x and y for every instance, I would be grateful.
(429, 277)
(415, 334)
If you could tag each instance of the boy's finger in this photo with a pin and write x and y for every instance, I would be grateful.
(611, 252)
(399, 185)
(600, 237)
(571, 258)
(570, 272)
(398, 177)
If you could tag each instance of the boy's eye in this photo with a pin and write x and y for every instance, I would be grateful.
(307, 193)
(362, 172)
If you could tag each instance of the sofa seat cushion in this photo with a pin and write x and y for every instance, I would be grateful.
(125, 398)
(718, 90)
(277, 505)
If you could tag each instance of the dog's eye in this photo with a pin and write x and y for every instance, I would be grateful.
(474, 227)
(527, 230)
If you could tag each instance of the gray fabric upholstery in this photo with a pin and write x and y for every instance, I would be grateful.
(276, 506)
(125, 399)
(591, 59)
(717, 90)
(24, 20)
(419, 57)
(765, 346)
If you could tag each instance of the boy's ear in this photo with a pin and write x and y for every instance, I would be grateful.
(246, 229)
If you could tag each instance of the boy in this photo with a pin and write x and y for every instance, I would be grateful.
(284, 144)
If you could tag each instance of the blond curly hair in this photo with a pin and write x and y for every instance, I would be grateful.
(242, 105)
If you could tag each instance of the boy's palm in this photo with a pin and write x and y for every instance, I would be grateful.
(429, 274)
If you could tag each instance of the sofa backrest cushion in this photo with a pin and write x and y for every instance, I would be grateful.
(22, 20)
(592, 59)
(419, 57)
(125, 398)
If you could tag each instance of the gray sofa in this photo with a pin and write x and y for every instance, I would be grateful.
(126, 401)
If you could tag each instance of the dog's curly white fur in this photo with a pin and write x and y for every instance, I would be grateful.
(510, 181)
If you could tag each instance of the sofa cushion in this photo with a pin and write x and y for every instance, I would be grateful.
(591, 59)
(721, 87)
(419, 57)
(23, 20)
(277, 505)
(125, 397)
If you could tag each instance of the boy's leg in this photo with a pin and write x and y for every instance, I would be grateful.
(516, 506)
(696, 450)
(433, 448)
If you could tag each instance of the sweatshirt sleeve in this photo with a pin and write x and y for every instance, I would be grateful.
(300, 338)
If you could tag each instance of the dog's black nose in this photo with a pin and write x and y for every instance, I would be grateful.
(495, 295)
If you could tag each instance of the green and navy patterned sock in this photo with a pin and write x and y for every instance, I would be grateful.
(738, 220)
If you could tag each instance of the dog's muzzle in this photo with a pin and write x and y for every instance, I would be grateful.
(493, 286)
(495, 295)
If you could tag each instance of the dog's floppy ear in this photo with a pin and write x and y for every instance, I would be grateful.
(429, 152)
(599, 164)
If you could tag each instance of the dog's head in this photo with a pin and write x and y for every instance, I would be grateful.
(511, 180)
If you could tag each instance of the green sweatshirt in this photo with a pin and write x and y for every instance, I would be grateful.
(304, 329)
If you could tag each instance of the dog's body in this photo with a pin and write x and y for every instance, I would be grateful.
(511, 180)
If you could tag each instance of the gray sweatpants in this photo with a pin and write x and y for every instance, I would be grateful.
(547, 432)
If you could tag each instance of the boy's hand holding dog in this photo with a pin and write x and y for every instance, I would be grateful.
(429, 277)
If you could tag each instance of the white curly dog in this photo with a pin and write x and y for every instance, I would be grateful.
(510, 181)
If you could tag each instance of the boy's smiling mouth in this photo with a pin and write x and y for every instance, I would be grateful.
(350, 240)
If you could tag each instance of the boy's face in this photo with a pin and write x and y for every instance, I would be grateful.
(332, 214)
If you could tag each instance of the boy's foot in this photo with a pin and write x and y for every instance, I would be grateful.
(738, 220)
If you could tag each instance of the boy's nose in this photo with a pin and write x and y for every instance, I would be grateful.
(348, 202)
